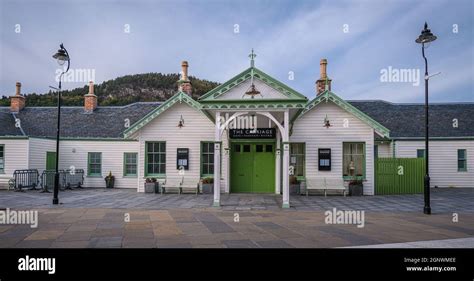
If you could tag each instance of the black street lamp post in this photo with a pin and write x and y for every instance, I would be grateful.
(62, 57)
(426, 37)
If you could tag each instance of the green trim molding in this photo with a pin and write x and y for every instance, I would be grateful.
(246, 75)
(179, 97)
(89, 174)
(125, 165)
(327, 96)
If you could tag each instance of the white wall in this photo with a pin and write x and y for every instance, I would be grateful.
(16, 157)
(443, 161)
(385, 150)
(197, 128)
(309, 129)
(37, 152)
(266, 91)
(112, 160)
(16, 154)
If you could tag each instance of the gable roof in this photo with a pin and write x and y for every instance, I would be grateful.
(407, 121)
(104, 122)
(290, 93)
(330, 96)
(178, 97)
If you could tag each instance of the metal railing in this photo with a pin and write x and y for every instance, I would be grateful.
(74, 178)
(28, 178)
(67, 179)
(47, 180)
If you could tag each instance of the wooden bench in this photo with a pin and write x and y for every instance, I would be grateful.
(179, 184)
(189, 183)
(325, 184)
(171, 184)
(5, 181)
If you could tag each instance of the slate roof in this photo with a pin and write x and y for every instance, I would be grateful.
(408, 120)
(403, 120)
(104, 122)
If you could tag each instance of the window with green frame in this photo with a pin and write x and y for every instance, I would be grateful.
(155, 160)
(353, 163)
(2, 159)
(420, 153)
(207, 159)
(297, 158)
(94, 166)
(462, 160)
(130, 160)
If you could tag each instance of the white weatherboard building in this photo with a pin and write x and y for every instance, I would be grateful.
(251, 134)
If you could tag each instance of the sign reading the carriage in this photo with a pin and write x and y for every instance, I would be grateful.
(259, 133)
(182, 158)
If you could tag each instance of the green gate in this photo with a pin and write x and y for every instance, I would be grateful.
(399, 175)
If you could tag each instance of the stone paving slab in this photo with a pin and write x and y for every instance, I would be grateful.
(96, 218)
(443, 200)
(213, 228)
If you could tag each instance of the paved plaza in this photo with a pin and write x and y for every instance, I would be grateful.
(98, 218)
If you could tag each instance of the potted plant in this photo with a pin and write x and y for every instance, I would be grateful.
(356, 187)
(109, 180)
(207, 185)
(151, 185)
(294, 185)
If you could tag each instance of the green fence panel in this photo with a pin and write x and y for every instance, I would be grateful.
(399, 175)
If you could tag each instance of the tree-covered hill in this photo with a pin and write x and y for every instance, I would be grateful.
(121, 91)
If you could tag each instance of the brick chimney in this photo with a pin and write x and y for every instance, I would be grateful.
(90, 100)
(184, 84)
(323, 79)
(17, 102)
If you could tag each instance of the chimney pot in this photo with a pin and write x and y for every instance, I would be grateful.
(18, 88)
(184, 70)
(184, 83)
(17, 102)
(91, 87)
(323, 83)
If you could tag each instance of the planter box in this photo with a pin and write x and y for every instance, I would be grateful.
(207, 188)
(151, 187)
(294, 188)
(109, 183)
(356, 190)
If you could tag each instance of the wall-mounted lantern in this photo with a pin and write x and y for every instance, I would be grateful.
(327, 124)
(181, 122)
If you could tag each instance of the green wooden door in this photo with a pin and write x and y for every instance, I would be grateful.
(252, 167)
(264, 168)
(50, 165)
(241, 167)
(50, 160)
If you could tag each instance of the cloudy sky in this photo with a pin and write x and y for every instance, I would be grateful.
(361, 40)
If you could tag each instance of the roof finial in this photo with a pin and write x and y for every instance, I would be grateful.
(252, 57)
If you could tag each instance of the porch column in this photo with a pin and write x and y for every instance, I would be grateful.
(286, 161)
(278, 164)
(217, 161)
